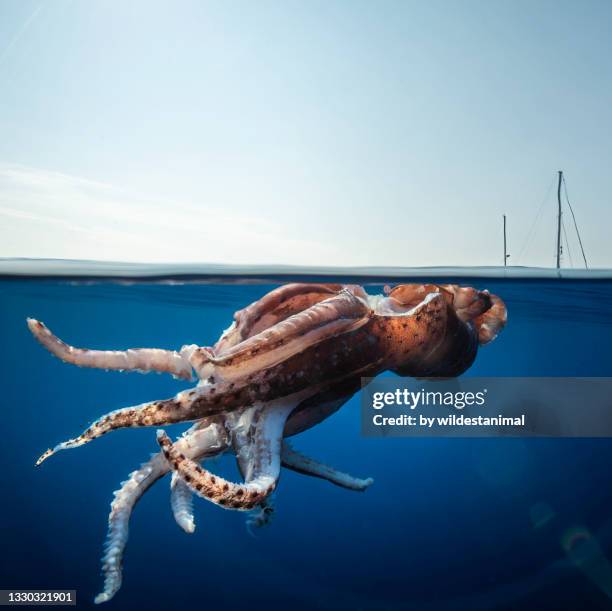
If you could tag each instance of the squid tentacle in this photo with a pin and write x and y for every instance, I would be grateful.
(334, 316)
(491, 322)
(262, 469)
(262, 516)
(203, 440)
(181, 501)
(218, 490)
(135, 359)
(295, 461)
(273, 307)
(168, 411)
(197, 443)
(126, 497)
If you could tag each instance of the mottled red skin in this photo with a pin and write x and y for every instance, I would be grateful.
(441, 340)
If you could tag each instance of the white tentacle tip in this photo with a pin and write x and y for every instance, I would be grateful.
(34, 325)
(368, 482)
(187, 524)
(44, 456)
(102, 598)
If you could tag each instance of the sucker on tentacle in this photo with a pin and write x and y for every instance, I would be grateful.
(121, 508)
(194, 443)
(218, 490)
(261, 470)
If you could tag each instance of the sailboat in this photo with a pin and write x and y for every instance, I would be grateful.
(560, 184)
(559, 222)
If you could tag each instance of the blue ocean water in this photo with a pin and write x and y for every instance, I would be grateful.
(448, 523)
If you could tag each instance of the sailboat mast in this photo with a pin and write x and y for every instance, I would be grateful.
(559, 220)
(505, 250)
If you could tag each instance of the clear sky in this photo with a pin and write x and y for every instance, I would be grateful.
(312, 132)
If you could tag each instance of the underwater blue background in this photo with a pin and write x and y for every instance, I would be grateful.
(446, 524)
